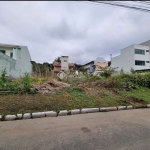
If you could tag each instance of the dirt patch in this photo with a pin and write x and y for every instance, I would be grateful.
(138, 103)
(49, 87)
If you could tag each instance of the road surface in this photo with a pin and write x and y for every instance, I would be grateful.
(118, 130)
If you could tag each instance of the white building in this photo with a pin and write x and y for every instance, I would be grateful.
(64, 62)
(135, 56)
(93, 66)
(15, 59)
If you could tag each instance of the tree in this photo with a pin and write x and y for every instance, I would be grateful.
(57, 59)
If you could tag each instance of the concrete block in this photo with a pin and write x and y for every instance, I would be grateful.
(84, 110)
(106, 109)
(19, 116)
(27, 116)
(63, 113)
(148, 105)
(50, 114)
(38, 115)
(130, 107)
(10, 117)
(89, 110)
(75, 111)
(122, 107)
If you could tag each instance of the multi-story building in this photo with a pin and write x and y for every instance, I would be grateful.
(15, 59)
(63, 65)
(93, 66)
(136, 56)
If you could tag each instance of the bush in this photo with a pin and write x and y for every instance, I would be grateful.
(26, 82)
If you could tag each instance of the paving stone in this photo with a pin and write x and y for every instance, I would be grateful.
(63, 113)
(130, 107)
(105, 109)
(148, 105)
(27, 116)
(51, 114)
(38, 115)
(75, 111)
(89, 110)
(10, 117)
(19, 116)
(122, 107)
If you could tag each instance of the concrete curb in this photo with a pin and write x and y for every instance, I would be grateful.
(122, 107)
(148, 105)
(10, 117)
(50, 114)
(19, 116)
(38, 115)
(63, 113)
(106, 109)
(89, 110)
(75, 111)
(130, 107)
(27, 116)
(66, 112)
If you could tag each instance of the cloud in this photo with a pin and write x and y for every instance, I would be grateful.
(81, 30)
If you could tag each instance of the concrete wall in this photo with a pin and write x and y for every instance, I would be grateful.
(7, 63)
(64, 63)
(16, 68)
(126, 60)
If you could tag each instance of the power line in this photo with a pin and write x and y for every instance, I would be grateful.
(124, 5)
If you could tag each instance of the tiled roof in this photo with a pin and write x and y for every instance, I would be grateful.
(56, 64)
(71, 65)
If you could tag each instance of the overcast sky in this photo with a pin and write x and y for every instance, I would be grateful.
(81, 30)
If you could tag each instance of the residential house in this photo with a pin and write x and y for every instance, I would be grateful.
(15, 59)
(136, 56)
(63, 65)
(94, 66)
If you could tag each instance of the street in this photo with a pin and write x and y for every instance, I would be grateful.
(116, 130)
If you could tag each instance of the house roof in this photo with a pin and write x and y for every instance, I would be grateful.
(9, 45)
(88, 63)
(56, 64)
(71, 65)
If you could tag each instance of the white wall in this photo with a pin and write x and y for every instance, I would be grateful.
(145, 57)
(17, 68)
(126, 60)
(8, 50)
(64, 63)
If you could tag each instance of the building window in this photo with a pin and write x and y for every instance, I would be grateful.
(2, 51)
(139, 63)
(65, 60)
(139, 51)
(11, 54)
(147, 61)
(147, 50)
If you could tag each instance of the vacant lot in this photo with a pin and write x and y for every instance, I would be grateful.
(82, 93)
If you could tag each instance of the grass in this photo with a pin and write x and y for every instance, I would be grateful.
(140, 93)
(81, 94)
(65, 99)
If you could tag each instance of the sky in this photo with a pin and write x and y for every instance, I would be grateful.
(81, 30)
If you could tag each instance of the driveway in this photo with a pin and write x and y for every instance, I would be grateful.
(118, 130)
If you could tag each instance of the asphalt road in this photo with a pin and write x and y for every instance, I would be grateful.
(118, 130)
